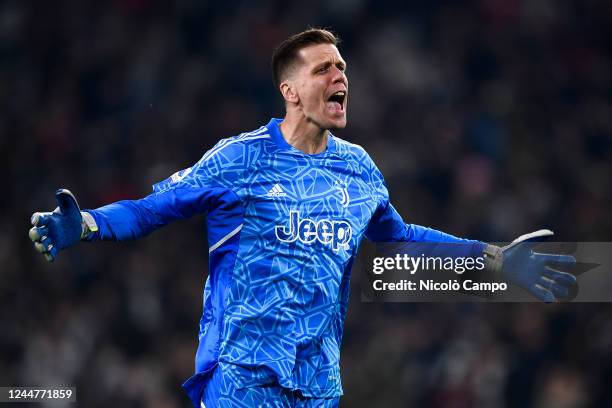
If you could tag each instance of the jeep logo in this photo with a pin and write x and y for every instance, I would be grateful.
(334, 233)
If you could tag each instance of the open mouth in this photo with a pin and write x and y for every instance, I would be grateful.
(336, 100)
(337, 97)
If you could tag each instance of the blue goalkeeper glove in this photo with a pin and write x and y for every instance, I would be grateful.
(517, 263)
(65, 226)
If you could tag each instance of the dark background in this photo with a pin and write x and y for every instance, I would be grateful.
(489, 119)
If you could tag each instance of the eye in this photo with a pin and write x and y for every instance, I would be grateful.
(323, 69)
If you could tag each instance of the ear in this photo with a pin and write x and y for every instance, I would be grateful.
(287, 89)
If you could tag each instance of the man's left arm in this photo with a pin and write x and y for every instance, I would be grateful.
(516, 263)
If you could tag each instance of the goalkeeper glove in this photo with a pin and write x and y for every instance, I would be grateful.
(66, 225)
(517, 263)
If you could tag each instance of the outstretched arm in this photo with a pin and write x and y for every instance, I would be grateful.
(132, 219)
(205, 186)
(123, 220)
(516, 263)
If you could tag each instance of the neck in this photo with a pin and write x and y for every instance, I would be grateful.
(304, 135)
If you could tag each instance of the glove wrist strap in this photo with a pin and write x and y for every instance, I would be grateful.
(494, 259)
(88, 225)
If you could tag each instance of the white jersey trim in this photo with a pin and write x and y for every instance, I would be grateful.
(225, 238)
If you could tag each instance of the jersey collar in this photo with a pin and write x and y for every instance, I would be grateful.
(274, 129)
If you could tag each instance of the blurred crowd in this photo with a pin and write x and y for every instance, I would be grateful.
(489, 119)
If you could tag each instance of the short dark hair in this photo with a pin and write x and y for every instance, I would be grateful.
(285, 54)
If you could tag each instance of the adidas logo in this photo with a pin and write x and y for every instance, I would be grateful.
(276, 191)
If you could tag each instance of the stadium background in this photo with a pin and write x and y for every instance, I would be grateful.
(489, 119)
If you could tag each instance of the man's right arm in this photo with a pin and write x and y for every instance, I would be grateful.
(132, 219)
(207, 184)
(119, 221)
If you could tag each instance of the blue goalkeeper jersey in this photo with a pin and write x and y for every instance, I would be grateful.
(283, 231)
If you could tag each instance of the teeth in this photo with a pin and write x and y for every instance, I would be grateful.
(340, 93)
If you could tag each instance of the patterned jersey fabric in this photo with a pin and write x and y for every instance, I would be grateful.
(283, 228)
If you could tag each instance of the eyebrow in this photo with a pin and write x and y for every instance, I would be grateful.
(328, 63)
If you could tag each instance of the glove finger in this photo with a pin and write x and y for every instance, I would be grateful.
(40, 247)
(562, 278)
(40, 218)
(542, 293)
(36, 234)
(49, 251)
(535, 236)
(559, 291)
(527, 242)
(47, 243)
(66, 202)
(560, 259)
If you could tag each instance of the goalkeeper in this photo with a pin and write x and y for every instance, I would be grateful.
(288, 205)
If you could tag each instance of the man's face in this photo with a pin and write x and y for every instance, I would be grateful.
(321, 86)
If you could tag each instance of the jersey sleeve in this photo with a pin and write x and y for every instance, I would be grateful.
(194, 190)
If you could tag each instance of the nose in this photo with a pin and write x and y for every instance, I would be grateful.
(339, 77)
